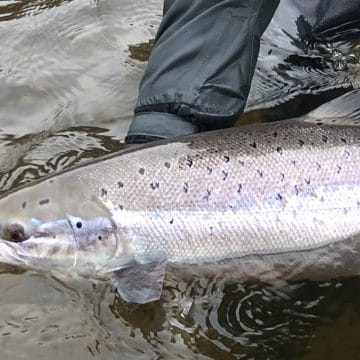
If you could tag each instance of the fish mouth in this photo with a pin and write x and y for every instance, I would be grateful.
(9, 254)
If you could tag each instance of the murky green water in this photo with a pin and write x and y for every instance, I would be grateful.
(68, 81)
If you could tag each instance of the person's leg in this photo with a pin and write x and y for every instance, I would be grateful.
(200, 69)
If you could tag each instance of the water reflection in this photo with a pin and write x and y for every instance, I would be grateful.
(250, 320)
(14, 9)
(289, 66)
(63, 71)
(141, 51)
(196, 319)
(41, 154)
(69, 65)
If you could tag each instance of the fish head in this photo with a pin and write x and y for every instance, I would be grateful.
(70, 245)
(37, 245)
(55, 225)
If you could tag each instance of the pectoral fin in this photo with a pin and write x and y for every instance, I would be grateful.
(140, 283)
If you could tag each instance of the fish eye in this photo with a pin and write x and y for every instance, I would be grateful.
(15, 233)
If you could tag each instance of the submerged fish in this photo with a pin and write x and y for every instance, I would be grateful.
(266, 190)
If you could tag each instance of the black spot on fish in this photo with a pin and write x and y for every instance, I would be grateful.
(44, 202)
(301, 142)
(279, 150)
(212, 151)
(103, 192)
(167, 164)
(209, 169)
(186, 187)
(189, 162)
(141, 171)
(154, 185)
(307, 180)
(347, 153)
(293, 162)
(225, 174)
(226, 158)
(242, 163)
(120, 207)
(120, 184)
(260, 173)
(282, 175)
(100, 237)
(324, 138)
(296, 190)
(269, 52)
(275, 134)
(320, 123)
(23, 205)
(207, 195)
(239, 188)
(343, 140)
(338, 169)
(253, 145)
(279, 197)
(318, 166)
(79, 224)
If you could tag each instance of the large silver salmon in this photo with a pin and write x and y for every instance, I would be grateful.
(262, 189)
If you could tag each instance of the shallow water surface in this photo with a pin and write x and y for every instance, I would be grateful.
(69, 72)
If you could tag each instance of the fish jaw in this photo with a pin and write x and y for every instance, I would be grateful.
(51, 246)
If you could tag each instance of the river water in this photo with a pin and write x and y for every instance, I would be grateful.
(69, 72)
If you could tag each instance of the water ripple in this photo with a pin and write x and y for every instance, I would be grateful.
(288, 67)
(243, 321)
(64, 67)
